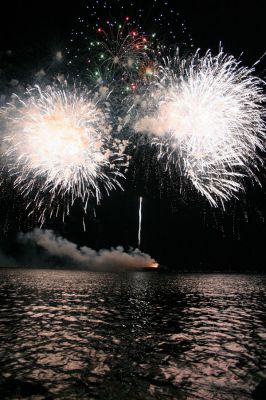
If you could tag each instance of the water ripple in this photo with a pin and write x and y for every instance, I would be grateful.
(78, 335)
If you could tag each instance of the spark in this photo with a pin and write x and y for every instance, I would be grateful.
(58, 144)
(206, 117)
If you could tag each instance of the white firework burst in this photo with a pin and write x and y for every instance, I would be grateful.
(206, 116)
(58, 145)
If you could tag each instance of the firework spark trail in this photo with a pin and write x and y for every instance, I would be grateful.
(140, 221)
(125, 48)
(206, 117)
(59, 141)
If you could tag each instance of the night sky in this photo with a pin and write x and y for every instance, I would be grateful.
(180, 228)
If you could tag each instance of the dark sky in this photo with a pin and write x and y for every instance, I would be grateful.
(239, 25)
(179, 231)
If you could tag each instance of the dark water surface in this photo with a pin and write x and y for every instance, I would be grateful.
(84, 335)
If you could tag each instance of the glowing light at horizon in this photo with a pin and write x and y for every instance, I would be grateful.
(154, 265)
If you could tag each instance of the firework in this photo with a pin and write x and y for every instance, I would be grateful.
(119, 48)
(114, 52)
(206, 117)
(58, 145)
(124, 51)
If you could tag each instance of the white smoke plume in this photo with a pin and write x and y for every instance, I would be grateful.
(115, 259)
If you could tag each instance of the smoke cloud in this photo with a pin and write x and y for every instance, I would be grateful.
(165, 120)
(43, 248)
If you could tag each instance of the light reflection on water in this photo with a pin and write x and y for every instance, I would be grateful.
(78, 335)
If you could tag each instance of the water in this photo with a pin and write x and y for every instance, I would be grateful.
(78, 335)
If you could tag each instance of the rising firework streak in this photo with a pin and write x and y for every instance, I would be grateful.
(140, 221)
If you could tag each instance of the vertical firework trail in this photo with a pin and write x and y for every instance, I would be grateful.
(140, 217)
